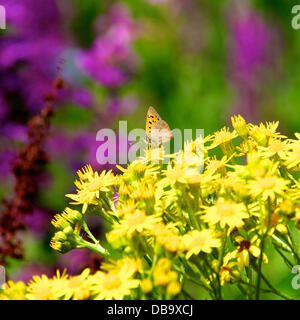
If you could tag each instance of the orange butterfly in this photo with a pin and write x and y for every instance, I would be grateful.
(157, 129)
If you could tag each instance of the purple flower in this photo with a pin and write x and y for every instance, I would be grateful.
(38, 222)
(14, 131)
(32, 50)
(253, 52)
(82, 97)
(111, 58)
(251, 38)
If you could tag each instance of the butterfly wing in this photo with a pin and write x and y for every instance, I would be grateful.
(152, 118)
(160, 132)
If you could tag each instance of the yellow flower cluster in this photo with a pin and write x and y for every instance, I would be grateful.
(201, 219)
(102, 285)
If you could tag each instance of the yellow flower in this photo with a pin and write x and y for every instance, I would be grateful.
(109, 286)
(276, 147)
(218, 166)
(128, 207)
(42, 288)
(196, 241)
(60, 241)
(90, 186)
(227, 213)
(13, 291)
(76, 287)
(174, 288)
(127, 265)
(143, 192)
(163, 274)
(166, 236)
(293, 156)
(146, 285)
(242, 253)
(264, 132)
(287, 207)
(235, 183)
(177, 173)
(267, 187)
(240, 125)
(132, 223)
(223, 138)
(228, 273)
(138, 169)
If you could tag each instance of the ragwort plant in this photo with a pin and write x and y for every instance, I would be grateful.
(170, 226)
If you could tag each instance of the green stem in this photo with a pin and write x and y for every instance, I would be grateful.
(221, 256)
(274, 290)
(87, 230)
(92, 246)
(286, 260)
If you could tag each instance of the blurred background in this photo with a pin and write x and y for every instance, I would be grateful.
(196, 61)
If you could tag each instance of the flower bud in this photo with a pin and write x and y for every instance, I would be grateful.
(240, 126)
(146, 285)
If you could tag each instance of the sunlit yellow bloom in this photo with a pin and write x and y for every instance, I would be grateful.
(163, 274)
(143, 192)
(76, 287)
(228, 272)
(235, 183)
(139, 169)
(177, 173)
(112, 286)
(263, 132)
(146, 285)
(287, 207)
(227, 213)
(128, 207)
(13, 291)
(293, 155)
(242, 253)
(90, 186)
(240, 126)
(174, 288)
(267, 187)
(127, 265)
(136, 222)
(63, 220)
(276, 147)
(215, 165)
(42, 288)
(188, 158)
(223, 138)
(166, 236)
(196, 241)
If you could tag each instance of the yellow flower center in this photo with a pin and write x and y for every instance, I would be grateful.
(111, 282)
(225, 209)
(297, 152)
(175, 174)
(199, 241)
(267, 183)
(136, 218)
(276, 146)
(42, 292)
(215, 165)
(139, 167)
(95, 184)
(75, 282)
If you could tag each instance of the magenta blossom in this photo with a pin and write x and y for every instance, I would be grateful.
(111, 59)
